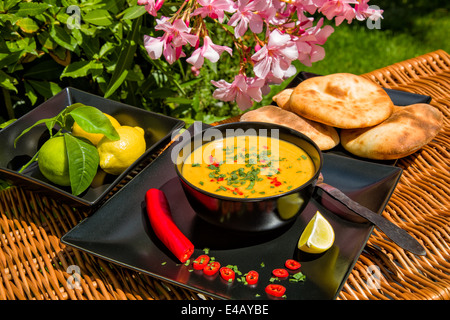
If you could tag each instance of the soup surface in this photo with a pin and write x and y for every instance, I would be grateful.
(248, 167)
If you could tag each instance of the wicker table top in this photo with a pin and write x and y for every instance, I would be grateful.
(34, 264)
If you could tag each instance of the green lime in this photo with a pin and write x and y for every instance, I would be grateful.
(53, 162)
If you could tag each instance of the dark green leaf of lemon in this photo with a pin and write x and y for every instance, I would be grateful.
(92, 120)
(83, 162)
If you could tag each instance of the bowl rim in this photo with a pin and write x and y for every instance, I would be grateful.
(262, 125)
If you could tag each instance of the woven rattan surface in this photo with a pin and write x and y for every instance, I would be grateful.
(34, 264)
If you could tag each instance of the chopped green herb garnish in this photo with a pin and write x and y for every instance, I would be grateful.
(297, 277)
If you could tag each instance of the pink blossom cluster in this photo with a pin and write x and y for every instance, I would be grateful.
(282, 31)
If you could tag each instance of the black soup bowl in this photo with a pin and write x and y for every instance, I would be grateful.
(249, 214)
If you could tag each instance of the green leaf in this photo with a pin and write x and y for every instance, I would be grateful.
(27, 25)
(46, 121)
(134, 12)
(45, 70)
(8, 4)
(60, 119)
(100, 17)
(81, 69)
(92, 120)
(46, 41)
(9, 58)
(7, 123)
(7, 82)
(125, 59)
(27, 9)
(30, 93)
(46, 89)
(83, 162)
(62, 38)
(179, 100)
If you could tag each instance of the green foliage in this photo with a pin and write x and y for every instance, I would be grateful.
(95, 46)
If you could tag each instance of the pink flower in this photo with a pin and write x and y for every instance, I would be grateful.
(309, 6)
(154, 46)
(242, 90)
(178, 33)
(308, 44)
(209, 50)
(244, 17)
(151, 6)
(214, 9)
(276, 56)
(170, 44)
(341, 9)
(195, 71)
(363, 11)
(162, 45)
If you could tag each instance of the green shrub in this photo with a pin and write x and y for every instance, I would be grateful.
(95, 46)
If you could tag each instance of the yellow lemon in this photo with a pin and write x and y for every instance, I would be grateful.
(53, 161)
(116, 156)
(318, 235)
(93, 137)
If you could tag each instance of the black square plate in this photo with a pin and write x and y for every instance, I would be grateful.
(119, 232)
(158, 129)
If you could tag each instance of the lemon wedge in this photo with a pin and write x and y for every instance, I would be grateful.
(318, 235)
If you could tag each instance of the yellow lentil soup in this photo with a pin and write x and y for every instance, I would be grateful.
(248, 167)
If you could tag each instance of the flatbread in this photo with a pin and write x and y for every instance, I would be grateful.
(407, 130)
(324, 136)
(341, 100)
(282, 98)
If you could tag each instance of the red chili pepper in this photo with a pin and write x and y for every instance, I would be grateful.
(201, 262)
(292, 264)
(227, 274)
(275, 181)
(276, 290)
(166, 230)
(211, 268)
(252, 277)
(280, 273)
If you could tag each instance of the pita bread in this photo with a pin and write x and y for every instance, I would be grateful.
(341, 100)
(324, 136)
(282, 98)
(407, 130)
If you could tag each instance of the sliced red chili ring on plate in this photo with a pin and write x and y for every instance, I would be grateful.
(276, 290)
(280, 273)
(211, 268)
(201, 262)
(292, 264)
(252, 277)
(227, 274)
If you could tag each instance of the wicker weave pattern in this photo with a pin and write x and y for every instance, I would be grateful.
(35, 265)
(420, 203)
